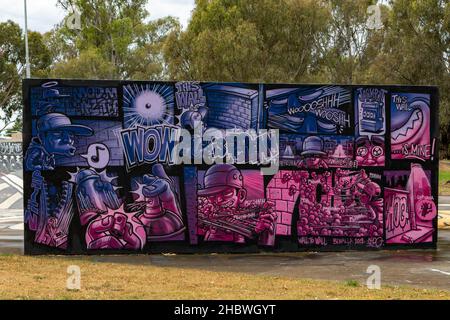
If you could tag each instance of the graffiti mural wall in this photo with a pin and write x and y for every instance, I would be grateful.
(122, 166)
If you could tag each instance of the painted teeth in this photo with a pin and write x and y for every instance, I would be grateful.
(412, 121)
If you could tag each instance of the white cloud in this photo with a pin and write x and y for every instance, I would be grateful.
(176, 8)
(44, 14)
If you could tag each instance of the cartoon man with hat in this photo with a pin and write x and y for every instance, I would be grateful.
(313, 154)
(55, 137)
(223, 187)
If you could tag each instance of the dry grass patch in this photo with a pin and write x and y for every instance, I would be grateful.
(23, 277)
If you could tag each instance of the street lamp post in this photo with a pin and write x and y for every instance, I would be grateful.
(27, 58)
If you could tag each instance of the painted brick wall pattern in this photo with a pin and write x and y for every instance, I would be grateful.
(278, 192)
(104, 132)
(230, 107)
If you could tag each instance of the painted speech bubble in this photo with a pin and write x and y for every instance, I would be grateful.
(97, 155)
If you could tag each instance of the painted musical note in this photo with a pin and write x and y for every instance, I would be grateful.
(97, 155)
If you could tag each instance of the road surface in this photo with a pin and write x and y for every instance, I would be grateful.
(11, 212)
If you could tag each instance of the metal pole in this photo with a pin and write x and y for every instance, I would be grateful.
(27, 58)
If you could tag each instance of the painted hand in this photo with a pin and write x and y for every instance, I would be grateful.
(266, 222)
(159, 188)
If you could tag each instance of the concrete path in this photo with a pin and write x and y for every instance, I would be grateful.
(417, 268)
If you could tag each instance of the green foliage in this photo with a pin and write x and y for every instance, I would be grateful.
(352, 283)
(114, 42)
(346, 46)
(416, 51)
(12, 65)
(88, 64)
(251, 40)
(317, 42)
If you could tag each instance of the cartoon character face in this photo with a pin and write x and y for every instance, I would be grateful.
(59, 142)
(228, 199)
(312, 162)
(370, 152)
(410, 127)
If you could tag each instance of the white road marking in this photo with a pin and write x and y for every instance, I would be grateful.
(12, 183)
(20, 237)
(11, 213)
(11, 216)
(15, 179)
(11, 200)
(18, 226)
(11, 219)
(440, 271)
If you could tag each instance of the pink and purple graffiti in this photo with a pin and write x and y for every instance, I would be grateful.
(181, 166)
(410, 127)
(409, 209)
(225, 214)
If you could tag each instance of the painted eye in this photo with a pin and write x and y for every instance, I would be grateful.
(377, 151)
(361, 151)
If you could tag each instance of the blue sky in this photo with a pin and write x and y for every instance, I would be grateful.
(43, 14)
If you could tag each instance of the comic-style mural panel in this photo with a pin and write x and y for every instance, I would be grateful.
(311, 110)
(410, 209)
(156, 203)
(232, 206)
(370, 126)
(80, 100)
(343, 207)
(317, 152)
(123, 166)
(410, 126)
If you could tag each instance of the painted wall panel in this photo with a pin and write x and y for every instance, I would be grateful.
(128, 167)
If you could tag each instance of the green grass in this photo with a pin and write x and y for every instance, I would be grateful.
(352, 283)
(444, 176)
